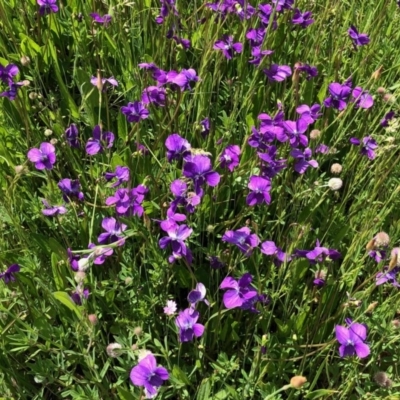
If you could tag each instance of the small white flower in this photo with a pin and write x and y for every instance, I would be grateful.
(112, 349)
(170, 308)
(335, 183)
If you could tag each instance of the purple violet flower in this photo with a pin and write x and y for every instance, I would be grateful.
(172, 220)
(78, 295)
(148, 375)
(8, 73)
(105, 19)
(44, 157)
(186, 321)
(227, 46)
(198, 294)
(358, 39)
(70, 189)
(12, 91)
(99, 141)
(294, 131)
(205, 127)
(8, 275)
(303, 160)
(309, 114)
(128, 201)
(309, 70)
(51, 211)
(216, 263)
(390, 277)
(94, 80)
(243, 239)
(176, 237)
(230, 157)
(377, 255)
(277, 73)
(388, 117)
(100, 253)
(265, 11)
(368, 148)
(256, 36)
(322, 149)
(135, 111)
(302, 19)
(71, 135)
(121, 173)
(177, 147)
(361, 98)
(199, 169)
(259, 190)
(182, 197)
(154, 95)
(352, 339)
(339, 94)
(238, 292)
(47, 6)
(269, 248)
(271, 166)
(282, 5)
(113, 232)
(319, 254)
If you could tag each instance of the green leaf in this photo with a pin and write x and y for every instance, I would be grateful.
(58, 279)
(125, 395)
(316, 394)
(64, 298)
(204, 390)
(180, 375)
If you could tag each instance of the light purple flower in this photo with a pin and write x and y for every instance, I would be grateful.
(51, 211)
(361, 98)
(271, 166)
(128, 201)
(322, 149)
(197, 295)
(146, 374)
(259, 54)
(70, 189)
(294, 131)
(302, 19)
(303, 160)
(205, 127)
(176, 237)
(269, 248)
(319, 254)
(113, 232)
(94, 80)
(238, 292)
(172, 220)
(78, 295)
(12, 91)
(71, 135)
(390, 277)
(278, 73)
(230, 157)
(199, 169)
(260, 188)
(309, 114)
(170, 308)
(177, 147)
(135, 111)
(44, 157)
(8, 73)
(99, 141)
(105, 19)
(8, 275)
(352, 340)
(121, 173)
(100, 253)
(47, 6)
(188, 326)
(182, 197)
(256, 36)
(282, 5)
(243, 239)
(154, 95)
(368, 148)
(227, 46)
(309, 70)
(339, 94)
(359, 39)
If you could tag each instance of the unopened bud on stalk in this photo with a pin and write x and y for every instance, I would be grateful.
(80, 276)
(32, 95)
(377, 74)
(25, 61)
(396, 323)
(371, 307)
(48, 132)
(93, 319)
(394, 258)
(99, 81)
(298, 381)
(388, 98)
(381, 90)
(113, 350)
(54, 141)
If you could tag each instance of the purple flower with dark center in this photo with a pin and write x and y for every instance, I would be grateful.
(265, 11)
(44, 157)
(135, 111)
(269, 248)
(176, 237)
(230, 157)
(302, 19)
(8, 73)
(99, 141)
(52, 211)
(262, 138)
(243, 239)
(94, 80)
(303, 160)
(352, 340)
(172, 220)
(277, 73)
(128, 202)
(8, 275)
(146, 374)
(180, 80)
(78, 295)
(377, 255)
(12, 91)
(368, 148)
(184, 43)
(47, 6)
(272, 166)
(113, 232)
(105, 19)
(197, 295)
(322, 148)
(73, 260)
(309, 70)
(148, 66)
(320, 278)
(154, 95)
(319, 254)
(71, 189)
(388, 117)
(182, 197)
(282, 5)
(177, 147)
(121, 173)
(358, 39)
(256, 36)
(205, 127)
(100, 253)
(309, 114)
(390, 277)
(260, 191)
(339, 94)
(227, 46)
(186, 321)
(71, 135)
(294, 131)
(200, 171)
(238, 292)
(361, 98)
(258, 55)
(216, 263)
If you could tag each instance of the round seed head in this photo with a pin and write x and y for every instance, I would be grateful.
(382, 239)
(54, 141)
(298, 381)
(25, 61)
(138, 331)
(336, 168)
(113, 350)
(388, 98)
(396, 323)
(315, 134)
(335, 183)
(381, 90)
(93, 319)
(80, 276)
(32, 95)
(382, 379)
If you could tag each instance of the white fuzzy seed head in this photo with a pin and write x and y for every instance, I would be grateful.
(335, 183)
